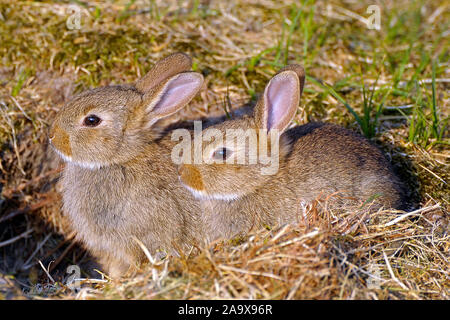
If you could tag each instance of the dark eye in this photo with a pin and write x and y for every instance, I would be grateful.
(222, 154)
(92, 120)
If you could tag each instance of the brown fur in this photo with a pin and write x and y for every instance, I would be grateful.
(61, 139)
(316, 160)
(192, 176)
(119, 182)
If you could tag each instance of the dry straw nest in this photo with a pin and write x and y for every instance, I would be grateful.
(237, 45)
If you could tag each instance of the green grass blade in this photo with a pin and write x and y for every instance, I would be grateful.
(331, 91)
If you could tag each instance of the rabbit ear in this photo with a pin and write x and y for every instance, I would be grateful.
(164, 69)
(173, 95)
(298, 69)
(278, 106)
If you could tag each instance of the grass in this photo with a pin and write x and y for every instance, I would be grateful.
(428, 129)
(391, 85)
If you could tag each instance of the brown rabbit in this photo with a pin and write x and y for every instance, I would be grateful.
(315, 160)
(119, 182)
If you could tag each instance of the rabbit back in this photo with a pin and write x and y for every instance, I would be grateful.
(327, 158)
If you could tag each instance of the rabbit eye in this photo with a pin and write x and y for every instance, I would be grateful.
(222, 154)
(92, 120)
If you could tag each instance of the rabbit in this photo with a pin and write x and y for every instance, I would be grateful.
(315, 159)
(119, 184)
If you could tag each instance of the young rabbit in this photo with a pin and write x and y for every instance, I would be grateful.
(315, 160)
(119, 183)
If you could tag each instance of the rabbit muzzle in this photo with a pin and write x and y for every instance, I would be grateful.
(191, 177)
(60, 140)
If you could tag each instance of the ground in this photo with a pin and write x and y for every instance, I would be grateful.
(388, 82)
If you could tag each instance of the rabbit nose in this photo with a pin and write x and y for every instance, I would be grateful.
(180, 170)
(185, 170)
(51, 134)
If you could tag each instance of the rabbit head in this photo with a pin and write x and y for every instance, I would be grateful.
(112, 124)
(237, 155)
